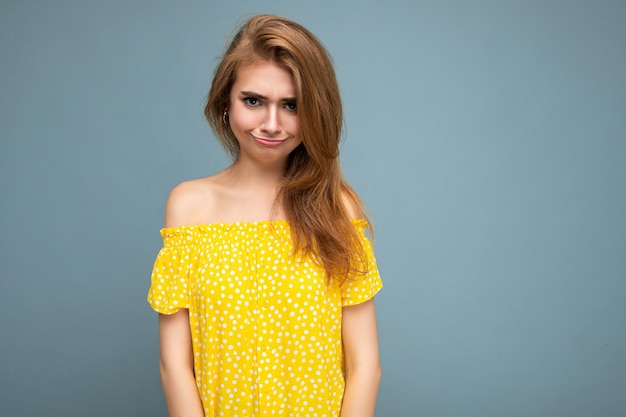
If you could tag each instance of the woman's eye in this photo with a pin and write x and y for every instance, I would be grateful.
(291, 106)
(251, 101)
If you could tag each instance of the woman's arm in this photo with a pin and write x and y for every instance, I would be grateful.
(177, 375)
(363, 370)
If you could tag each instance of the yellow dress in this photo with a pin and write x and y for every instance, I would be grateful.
(266, 326)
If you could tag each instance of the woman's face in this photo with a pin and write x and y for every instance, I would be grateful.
(263, 114)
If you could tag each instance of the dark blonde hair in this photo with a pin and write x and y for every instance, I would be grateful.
(313, 191)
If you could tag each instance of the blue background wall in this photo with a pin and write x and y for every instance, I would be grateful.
(488, 137)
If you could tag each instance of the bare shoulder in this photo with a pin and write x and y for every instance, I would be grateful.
(352, 204)
(190, 202)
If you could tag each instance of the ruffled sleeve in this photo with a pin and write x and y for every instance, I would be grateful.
(361, 287)
(172, 272)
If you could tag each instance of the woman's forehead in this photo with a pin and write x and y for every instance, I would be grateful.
(265, 76)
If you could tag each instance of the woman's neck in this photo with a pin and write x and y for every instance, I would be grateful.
(253, 176)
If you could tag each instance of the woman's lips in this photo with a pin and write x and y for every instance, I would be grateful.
(269, 142)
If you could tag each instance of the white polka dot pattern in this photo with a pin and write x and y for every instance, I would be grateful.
(266, 326)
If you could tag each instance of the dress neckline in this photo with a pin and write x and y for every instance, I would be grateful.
(243, 224)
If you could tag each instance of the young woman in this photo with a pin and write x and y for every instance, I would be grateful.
(266, 279)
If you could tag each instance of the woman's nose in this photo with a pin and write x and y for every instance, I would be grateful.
(271, 122)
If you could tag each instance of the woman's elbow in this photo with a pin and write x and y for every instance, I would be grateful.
(377, 372)
(372, 370)
(170, 369)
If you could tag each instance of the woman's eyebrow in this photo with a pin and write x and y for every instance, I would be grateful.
(251, 93)
(262, 97)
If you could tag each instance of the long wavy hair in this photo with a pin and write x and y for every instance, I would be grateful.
(313, 191)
